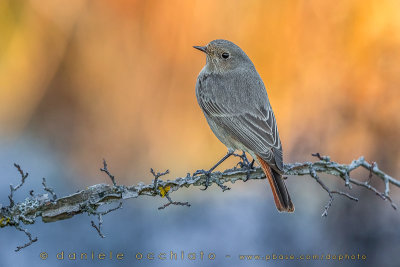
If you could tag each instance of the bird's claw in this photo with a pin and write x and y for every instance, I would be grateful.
(252, 164)
(249, 168)
(244, 163)
(207, 174)
(207, 182)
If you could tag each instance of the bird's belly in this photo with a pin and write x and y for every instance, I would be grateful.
(224, 136)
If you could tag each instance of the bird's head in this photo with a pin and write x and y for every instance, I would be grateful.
(223, 56)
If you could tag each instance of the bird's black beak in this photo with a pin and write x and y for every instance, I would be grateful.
(201, 48)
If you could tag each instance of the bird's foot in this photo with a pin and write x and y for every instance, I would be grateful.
(208, 176)
(208, 183)
(244, 163)
(248, 171)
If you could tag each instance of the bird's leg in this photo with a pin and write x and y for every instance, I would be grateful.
(208, 173)
(245, 164)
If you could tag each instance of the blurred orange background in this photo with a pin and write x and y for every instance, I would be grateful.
(115, 79)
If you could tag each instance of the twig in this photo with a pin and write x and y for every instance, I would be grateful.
(156, 176)
(48, 189)
(328, 159)
(314, 175)
(376, 191)
(173, 203)
(100, 219)
(12, 188)
(105, 169)
(166, 189)
(29, 235)
(322, 158)
(370, 173)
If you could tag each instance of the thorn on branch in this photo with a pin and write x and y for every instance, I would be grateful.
(12, 188)
(48, 189)
(105, 169)
(29, 235)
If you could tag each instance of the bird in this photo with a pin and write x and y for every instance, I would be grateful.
(235, 103)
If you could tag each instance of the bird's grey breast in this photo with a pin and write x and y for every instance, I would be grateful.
(205, 89)
(234, 91)
(209, 99)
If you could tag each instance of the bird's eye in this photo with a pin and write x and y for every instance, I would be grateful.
(225, 55)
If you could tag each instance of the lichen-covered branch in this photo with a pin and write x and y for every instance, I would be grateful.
(50, 208)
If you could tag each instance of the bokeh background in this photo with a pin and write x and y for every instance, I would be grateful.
(85, 80)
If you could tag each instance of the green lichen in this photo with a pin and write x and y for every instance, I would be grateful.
(4, 222)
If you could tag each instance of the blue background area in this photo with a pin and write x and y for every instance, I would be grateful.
(240, 221)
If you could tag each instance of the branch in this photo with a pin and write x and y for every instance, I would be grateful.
(15, 188)
(52, 209)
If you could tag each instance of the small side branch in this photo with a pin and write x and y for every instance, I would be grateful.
(100, 218)
(12, 188)
(164, 191)
(156, 176)
(325, 165)
(105, 169)
(173, 203)
(29, 235)
(98, 228)
(314, 175)
(48, 189)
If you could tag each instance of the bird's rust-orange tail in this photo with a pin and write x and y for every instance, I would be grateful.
(281, 195)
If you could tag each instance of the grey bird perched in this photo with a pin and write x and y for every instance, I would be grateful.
(235, 103)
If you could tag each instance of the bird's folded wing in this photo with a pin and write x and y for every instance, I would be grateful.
(256, 128)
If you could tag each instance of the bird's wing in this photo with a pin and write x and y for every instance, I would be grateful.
(250, 122)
